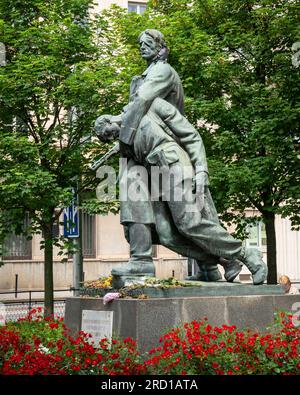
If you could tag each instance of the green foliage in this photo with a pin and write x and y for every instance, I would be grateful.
(95, 206)
(57, 79)
(61, 72)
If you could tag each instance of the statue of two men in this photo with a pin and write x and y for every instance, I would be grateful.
(154, 133)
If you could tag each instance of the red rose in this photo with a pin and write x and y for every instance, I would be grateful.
(69, 353)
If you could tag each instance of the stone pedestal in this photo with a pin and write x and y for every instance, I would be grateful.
(145, 320)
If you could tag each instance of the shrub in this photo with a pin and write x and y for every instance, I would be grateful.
(199, 348)
(44, 346)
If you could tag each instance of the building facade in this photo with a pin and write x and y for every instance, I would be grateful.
(104, 247)
(132, 6)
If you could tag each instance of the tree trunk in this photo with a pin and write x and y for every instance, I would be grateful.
(271, 247)
(48, 272)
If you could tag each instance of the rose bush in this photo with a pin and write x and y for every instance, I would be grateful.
(199, 348)
(44, 346)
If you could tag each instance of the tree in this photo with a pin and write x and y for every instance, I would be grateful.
(242, 90)
(54, 84)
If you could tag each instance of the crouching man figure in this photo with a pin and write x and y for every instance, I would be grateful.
(188, 226)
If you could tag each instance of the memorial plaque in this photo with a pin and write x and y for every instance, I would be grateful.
(98, 323)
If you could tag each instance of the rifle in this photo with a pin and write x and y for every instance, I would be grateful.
(114, 150)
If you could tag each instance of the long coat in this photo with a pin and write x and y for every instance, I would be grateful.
(145, 128)
(158, 80)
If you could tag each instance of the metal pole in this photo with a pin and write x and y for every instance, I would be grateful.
(29, 302)
(77, 265)
(16, 285)
(77, 256)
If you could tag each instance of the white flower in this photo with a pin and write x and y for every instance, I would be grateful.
(43, 349)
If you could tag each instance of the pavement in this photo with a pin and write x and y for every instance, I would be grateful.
(9, 296)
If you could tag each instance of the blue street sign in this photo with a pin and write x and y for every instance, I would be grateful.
(71, 219)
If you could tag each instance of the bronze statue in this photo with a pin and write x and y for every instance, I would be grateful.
(153, 132)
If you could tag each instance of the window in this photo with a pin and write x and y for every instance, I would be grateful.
(192, 266)
(88, 235)
(256, 235)
(20, 126)
(17, 247)
(154, 251)
(136, 7)
(55, 229)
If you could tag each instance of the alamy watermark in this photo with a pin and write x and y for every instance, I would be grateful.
(156, 183)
